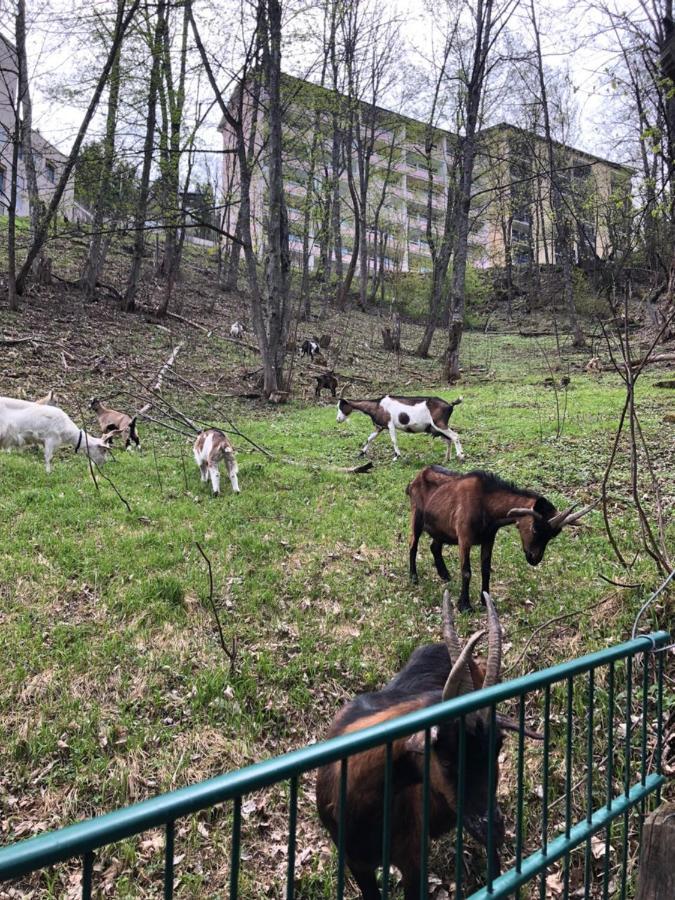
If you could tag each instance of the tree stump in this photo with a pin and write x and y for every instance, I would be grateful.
(324, 341)
(656, 875)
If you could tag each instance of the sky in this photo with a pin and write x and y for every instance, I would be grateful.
(565, 42)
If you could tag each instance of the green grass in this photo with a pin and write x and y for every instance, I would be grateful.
(114, 686)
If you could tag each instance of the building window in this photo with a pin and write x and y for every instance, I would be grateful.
(50, 172)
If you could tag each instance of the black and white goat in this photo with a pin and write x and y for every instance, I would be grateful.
(211, 446)
(24, 423)
(310, 348)
(416, 415)
(237, 330)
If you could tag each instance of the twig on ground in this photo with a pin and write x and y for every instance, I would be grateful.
(553, 621)
(157, 386)
(231, 653)
(159, 477)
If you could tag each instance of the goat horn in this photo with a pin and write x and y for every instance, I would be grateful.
(454, 644)
(558, 520)
(518, 512)
(509, 724)
(494, 660)
(454, 684)
(570, 519)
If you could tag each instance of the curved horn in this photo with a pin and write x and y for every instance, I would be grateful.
(454, 684)
(494, 660)
(518, 512)
(558, 520)
(454, 644)
(570, 519)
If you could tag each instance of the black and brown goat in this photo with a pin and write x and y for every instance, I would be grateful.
(326, 380)
(113, 422)
(469, 509)
(434, 672)
(417, 415)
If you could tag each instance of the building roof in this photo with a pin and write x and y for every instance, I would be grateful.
(501, 126)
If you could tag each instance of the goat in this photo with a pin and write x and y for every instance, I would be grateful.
(211, 446)
(326, 380)
(23, 422)
(412, 414)
(434, 673)
(111, 421)
(310, 348)
(469, 509)
(237, 330)
(47, 400)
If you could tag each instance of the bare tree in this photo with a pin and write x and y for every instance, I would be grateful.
(155, 38)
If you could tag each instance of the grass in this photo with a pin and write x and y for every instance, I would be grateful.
(114, 686)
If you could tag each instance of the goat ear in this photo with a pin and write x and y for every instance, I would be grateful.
(415, 743)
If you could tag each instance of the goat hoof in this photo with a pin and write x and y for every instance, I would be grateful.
(414, 579)
(465, 607)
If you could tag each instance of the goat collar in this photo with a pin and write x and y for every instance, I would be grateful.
(79, 441)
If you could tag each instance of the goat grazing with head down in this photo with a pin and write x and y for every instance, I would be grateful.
(211, 446)
(110, 421)
(23, 422)
(434, 673)
(469, 509)
(325, 380)
(237, 330)
(417, 415)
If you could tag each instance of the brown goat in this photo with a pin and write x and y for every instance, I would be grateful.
(112, 422)
(434, 673)
(469, 509)
(325, 380)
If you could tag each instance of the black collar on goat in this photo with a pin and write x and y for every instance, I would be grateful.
(428, 415)
(468, 509)
(434, 672)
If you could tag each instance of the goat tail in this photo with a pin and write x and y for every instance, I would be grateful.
(456, 402)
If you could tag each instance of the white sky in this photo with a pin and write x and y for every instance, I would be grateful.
(565, 35)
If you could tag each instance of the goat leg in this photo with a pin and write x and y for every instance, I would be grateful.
(437, 553)
(485, 565)
(465, 565)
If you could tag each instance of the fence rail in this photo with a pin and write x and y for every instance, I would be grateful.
(85, 838)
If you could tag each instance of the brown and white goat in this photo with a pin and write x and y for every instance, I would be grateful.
(25, 423)
(469, 509)
(413, 414)
(113, 422)
(434, 673)
(211, 446)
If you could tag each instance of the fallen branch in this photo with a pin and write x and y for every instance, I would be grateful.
(157, 386)
(230, 653)
(553, 621)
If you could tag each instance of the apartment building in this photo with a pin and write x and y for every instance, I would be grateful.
(512, 216)
(49, 161)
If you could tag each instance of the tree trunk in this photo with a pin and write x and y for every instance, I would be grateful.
(278, 257)
(121, 26)
(12, 292)
(98, 246)
(129, 301)
(26, 106)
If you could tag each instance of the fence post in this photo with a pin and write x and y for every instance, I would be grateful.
(656, 875)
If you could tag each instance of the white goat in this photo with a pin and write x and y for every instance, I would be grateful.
(237, 330)
(211, 446)
(23, 422)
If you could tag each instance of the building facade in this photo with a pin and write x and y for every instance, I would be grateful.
(49, 161)
(407, 197)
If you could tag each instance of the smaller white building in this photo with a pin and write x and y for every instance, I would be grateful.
(49, 162)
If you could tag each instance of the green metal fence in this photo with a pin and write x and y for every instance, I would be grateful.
(622, 769)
